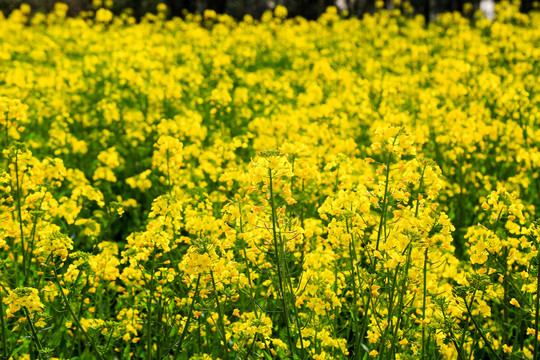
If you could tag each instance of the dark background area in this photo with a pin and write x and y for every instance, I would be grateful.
(310, 9)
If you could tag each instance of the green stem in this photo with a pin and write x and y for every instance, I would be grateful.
(35, 338)
(19, 211)
(391, 311)
(401, 305)
(474, 346)
(419, 191)
(72, 313)
(248, 353)
(169, 172)
(149, 314)
(462, 342)
(537, 308)
(511, 282)
(506, 296)
(190, 315)
(385, 196)
(3, 326)
(295, 310)
(352, 257)
(220, 314)
(278, 254)
(364, 326)
(453, 339)
(6, 114)
(384, 206)
(75, 283)
(486, 341)
(109, 339)
(246, 261)
(33, 237)
(159, 324)
(424, 296)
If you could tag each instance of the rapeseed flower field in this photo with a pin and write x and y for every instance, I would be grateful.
(205, 188)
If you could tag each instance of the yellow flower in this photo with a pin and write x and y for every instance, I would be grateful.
(51, 242)
(161, 7)
(403, 341)
(280, 12)
(104, 16)
(23, 297)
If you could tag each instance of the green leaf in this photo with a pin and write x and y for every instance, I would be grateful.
(125, 354)
(18, 349)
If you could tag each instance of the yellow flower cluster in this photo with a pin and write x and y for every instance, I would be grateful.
(202, 188)
(27, 298)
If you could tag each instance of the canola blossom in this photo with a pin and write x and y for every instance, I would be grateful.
(206, 188)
